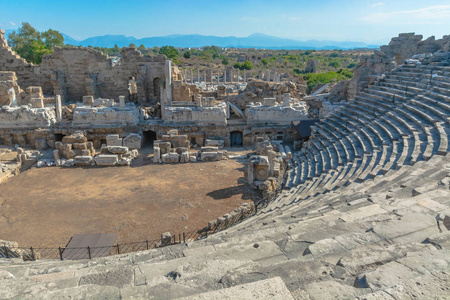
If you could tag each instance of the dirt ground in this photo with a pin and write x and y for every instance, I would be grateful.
(45, 207)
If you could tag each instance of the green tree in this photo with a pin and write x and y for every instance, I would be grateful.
(132, 45)
(142, 47)
(33, 45)
(247, 65)
(169, 51)
(187, 54)
(52, 38)
(225, 61)
(264, 61)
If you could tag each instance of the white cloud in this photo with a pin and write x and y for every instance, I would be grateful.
(12, 23)
(377, 4)
(437, 14)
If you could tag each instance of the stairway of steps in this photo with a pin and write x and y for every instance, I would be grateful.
(365, 239)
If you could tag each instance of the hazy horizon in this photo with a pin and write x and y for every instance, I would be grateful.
(371, 22)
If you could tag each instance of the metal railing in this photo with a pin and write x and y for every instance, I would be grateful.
(65, 253)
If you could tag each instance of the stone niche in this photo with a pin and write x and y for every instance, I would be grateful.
(258, 170)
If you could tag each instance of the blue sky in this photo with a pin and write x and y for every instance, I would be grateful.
(340, 20)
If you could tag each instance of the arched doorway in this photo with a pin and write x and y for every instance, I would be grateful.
(236, 138)
(149, 138)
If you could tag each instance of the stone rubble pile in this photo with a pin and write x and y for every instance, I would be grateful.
(175, 148)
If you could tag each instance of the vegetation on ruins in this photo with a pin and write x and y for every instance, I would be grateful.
(313, 79)
(243, 66)
(32, 44)
(171, 52)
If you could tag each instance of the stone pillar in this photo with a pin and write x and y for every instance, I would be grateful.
(198, 75)
(185, 76)
(231, 76)
(245, 76)
(58, 107)
(238, 76)
(166, 91)
(121, 101)
(156, 154)
(211, 77)
(192, 77)
(287, 99)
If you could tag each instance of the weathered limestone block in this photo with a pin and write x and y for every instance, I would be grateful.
(209, 149)
(209, 156)
(83, 160)
(170, 158)
(214, 143)
(180, 150)
(124, 162)
(86, 152)
(88, 100)
(106, 159)
(37, 103)
(156, 154)
(104, 102)
(68, 154)
(193, 158)
(113, 140)
(117, 149)
(179, 141)
(172, 132)
(26, 117)
(76, 137)
(56, 155)
(184, 157)
(166, 238)
(41, 144)
(83, 115)
(133, 141)
(164, 146)
(79, 146)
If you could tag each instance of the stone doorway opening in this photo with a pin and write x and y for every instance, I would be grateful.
(149, 138)
(236, 138)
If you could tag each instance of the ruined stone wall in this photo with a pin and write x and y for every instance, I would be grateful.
(10, 61)
(400, 48)
(184, 92)
(74, 72)
(9, 89)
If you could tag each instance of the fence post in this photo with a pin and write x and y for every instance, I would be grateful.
(32, 253)
(6, 251)
(118, 249)
(174, 239)
(146, 243)
(179, 238)
(184, 237)
(60, 253)
(89, 252)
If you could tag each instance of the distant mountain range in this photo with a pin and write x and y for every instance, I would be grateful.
(256, 40)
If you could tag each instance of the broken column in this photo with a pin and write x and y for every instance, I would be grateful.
(121, 101)
(287, 99)
(156, 154)
(58, 107)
